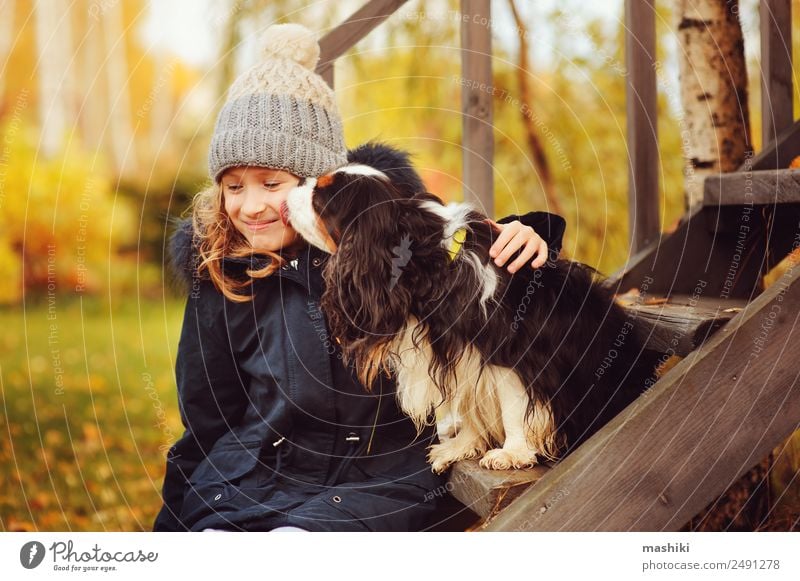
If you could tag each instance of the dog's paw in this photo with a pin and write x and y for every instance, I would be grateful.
(506, 459)
(441, 456)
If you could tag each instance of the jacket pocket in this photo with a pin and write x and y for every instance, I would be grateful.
(386, 507)
(214, 483)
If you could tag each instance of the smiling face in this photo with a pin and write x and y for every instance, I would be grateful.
(253, 198)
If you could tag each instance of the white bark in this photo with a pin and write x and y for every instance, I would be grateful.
(713, 81)
(53, 50)
(93, 112)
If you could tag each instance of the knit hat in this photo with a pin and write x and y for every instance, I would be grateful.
(280, 114)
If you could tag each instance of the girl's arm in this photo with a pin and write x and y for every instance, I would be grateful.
(537, 234)
(211, 397)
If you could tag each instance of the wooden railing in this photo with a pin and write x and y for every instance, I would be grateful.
(776, 69)
(342, 38)
(642, 123)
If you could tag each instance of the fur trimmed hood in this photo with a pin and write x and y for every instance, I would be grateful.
(396, 163)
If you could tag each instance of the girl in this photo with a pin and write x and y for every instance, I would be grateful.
(279, 433)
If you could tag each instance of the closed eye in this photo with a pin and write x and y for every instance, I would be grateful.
(233, 187)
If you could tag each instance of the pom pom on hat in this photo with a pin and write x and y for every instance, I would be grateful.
(291, 41)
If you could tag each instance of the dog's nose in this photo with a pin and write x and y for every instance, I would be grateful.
(285, 213)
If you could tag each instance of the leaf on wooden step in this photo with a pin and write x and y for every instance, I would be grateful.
(655, 301)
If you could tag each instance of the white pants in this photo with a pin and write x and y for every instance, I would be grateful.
(276, 530)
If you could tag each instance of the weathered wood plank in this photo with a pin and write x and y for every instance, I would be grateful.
(780, 186)
(683, 323)
(476, 104)
(776, 68)
(728, 264)
(486, 492)
(777, 154)
(642, 116)
(342, 38)
(327, 75)
(706, 422)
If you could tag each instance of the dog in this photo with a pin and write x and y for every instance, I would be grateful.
(532, 363)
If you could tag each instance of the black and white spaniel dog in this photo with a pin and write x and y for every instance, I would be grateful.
(531, 364)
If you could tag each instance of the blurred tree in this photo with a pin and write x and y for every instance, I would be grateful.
(93, 113)
(54, 46)
(7, 13)
(123, 149)
(527, 115)
(61, 225)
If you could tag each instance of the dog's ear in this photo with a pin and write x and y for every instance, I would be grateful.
(365, 300)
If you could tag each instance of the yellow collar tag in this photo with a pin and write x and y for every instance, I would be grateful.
(458, 241)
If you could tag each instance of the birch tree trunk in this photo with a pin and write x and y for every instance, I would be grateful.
(713, 83)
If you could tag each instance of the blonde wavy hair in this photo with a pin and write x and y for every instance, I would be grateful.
(217, 238)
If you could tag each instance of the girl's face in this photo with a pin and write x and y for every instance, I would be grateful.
(253, 197)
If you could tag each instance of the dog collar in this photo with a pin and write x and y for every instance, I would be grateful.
(457, 242)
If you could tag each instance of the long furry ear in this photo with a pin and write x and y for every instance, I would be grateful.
(365, 300)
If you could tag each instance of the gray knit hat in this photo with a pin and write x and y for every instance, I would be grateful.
(280, 113)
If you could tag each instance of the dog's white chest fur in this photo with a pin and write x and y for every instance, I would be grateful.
(485, 407)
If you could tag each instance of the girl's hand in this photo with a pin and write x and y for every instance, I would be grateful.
(513, 236)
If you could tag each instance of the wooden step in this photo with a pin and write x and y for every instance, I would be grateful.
(766, 187)
(487, 492)
(680, 324)
(675, 326)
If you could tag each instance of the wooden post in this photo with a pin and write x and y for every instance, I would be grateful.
(476, 104)
(776, 68)
(348, 33)
(640, 95)
(710, 419)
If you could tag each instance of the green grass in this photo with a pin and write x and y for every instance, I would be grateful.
(89, 408)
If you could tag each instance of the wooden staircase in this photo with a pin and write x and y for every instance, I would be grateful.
(698, 294)
(673, 327)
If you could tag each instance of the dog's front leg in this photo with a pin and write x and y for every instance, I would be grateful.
(519, 449)
(448, 422)
(466, 444)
